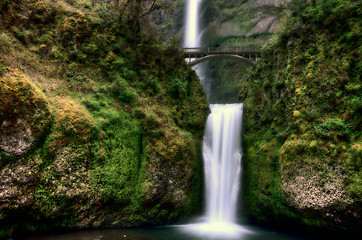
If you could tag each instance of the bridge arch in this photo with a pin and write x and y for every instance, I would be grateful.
(197, 55)
(209, 57)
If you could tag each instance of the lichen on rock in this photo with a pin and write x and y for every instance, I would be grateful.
(309, 181)
(17, 141)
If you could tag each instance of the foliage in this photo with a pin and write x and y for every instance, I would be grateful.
(177, 89)
(117, 157)
(121, 90)
(333, 129)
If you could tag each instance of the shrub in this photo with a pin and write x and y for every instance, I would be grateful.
(152, 85)
(333, 129)
(176, 88)
(1, 68)
(121, 90)
(74, 28)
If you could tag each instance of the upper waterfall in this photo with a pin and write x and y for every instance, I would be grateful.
(192, 31)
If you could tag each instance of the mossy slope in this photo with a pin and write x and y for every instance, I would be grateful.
(115, 116)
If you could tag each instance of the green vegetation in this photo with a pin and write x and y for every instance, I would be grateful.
(114, 120)
(303, 120)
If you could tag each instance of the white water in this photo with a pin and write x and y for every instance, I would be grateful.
(192, 32)
(221, 153)
(222, 166)
(222, 161)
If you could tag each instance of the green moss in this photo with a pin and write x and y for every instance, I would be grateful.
(297, 114)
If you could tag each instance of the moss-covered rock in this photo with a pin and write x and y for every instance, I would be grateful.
(301, 125)
(310, 180)
(73, 122)
(24, 113)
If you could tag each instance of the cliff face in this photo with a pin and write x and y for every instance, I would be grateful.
(99, 123)
(303, 121)
(242, 23)
(302, 107)
(229, 23)
(248, 23)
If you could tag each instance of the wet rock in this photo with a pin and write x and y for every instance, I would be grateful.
(263, 26)
(18, 140)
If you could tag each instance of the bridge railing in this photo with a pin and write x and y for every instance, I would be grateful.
(222, 49)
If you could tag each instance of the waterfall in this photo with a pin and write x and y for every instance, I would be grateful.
(221, 152)
(192, 32)
(222, 156)
(222, 162)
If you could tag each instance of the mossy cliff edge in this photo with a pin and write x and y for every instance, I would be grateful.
(303, 121)
(99, 123)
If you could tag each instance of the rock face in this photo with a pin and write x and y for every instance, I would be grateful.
(165, 21)
(267, 25)
(311, 182)
(243, 19)
(17, 186)
(84, 172)
(17, 141)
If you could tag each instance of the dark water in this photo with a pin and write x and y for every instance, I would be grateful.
(166, 233)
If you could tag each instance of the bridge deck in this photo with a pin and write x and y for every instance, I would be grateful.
(201, 52)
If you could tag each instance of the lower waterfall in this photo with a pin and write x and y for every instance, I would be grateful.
(222, 162)
(222, 155)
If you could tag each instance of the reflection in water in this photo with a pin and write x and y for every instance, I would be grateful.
(175, 232)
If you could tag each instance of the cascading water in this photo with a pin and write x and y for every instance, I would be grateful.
(221, 152)
(222, 161)
(192, 32)
(222, 164)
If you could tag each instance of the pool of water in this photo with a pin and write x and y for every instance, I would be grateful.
(175, 232)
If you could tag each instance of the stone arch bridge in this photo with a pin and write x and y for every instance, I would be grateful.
(248, 55)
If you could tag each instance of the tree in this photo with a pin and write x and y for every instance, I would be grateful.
(132, 11)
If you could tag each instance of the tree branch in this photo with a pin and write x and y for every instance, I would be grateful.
(152, 8)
